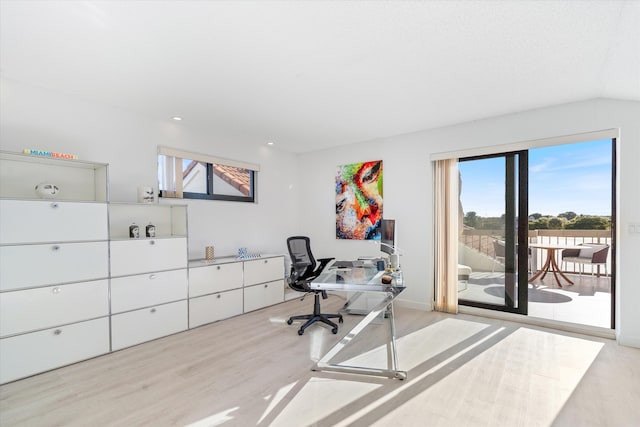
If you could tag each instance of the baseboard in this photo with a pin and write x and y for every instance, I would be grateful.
(629, 341)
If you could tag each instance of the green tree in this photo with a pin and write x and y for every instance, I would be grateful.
(589, 222)
(539, 224)
(569, 215)
(535, 216)
(471, 219)
(556, 223)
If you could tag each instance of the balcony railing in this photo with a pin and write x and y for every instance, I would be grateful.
(482, 241)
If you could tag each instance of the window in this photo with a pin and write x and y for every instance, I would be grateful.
(197, 176)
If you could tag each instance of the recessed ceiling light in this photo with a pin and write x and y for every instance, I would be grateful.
(270, 143)
(176, 118)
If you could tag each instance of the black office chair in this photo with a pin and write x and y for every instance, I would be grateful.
(303, 270)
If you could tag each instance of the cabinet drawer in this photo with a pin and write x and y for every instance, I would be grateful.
(214, 278)
(147, 255)
(138, 326)
(37, 265)
(263, 270)
(210, 308)
(32, 309)
(29, 354)
(262, 295)
(33, 221)
(143, 290)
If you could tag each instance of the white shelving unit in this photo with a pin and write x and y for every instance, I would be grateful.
(54, 264)
(149, 275)
(74, 285)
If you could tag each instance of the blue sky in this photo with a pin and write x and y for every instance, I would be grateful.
(570, 177)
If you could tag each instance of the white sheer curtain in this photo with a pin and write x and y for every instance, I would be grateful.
(446, 203)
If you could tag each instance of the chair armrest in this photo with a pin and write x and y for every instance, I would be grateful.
(600, 256)
(570, 253)
(323, 263)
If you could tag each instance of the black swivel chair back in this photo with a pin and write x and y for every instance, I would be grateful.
(303, 270)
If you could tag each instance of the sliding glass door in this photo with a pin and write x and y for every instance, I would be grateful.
(492, 252)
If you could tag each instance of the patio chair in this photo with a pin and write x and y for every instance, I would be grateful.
(499, 253)
(593, 254)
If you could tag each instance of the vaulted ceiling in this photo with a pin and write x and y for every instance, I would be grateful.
(315, 74)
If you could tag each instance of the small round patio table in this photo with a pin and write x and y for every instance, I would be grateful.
(550, 263)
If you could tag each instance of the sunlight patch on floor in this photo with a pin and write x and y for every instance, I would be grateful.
(421, 345)
(273, 402)
(216, 419)
(525, 379)
(321, 397)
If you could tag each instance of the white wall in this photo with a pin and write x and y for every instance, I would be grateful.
(35, 118)
(408, 190)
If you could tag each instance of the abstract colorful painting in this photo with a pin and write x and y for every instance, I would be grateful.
(359, 201)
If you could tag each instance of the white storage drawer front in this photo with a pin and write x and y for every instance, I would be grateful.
(33, 221)
(147, 255)
(215, 278)
(32, 309)
(37, 265)
(263, 295)
(143, 290)
(263, 270)
(138, 326)
(29, 354)
(210, 308)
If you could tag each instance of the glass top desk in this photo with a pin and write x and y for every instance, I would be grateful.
(363, 279)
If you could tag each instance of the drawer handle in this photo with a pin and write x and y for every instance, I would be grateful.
(54, 205)
(152, 276)
(153, 310)
(57, 332)
(266, 286)
(55, 248)
(266, 261)
(56, 290)
(218, 296)
(152, 242)
(218, 268)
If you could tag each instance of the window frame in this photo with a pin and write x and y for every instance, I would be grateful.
(177, 179)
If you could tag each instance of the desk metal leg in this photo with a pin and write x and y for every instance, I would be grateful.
(393, 372)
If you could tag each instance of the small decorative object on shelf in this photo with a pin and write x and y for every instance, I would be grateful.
(46, 190)
(208, 253)
(150, 231)
(146, 195)
(244, 254)
(134, 231)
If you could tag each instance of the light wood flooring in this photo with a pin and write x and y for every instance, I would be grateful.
(254, 370)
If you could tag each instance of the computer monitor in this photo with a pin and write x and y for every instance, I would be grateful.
(388, 236)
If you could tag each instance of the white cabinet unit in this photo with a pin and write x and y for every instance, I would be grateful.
(135, 327)
(54, 268)
(147, 255)
(215, 278)
(28, 266)
(213, 307)
(33, 221)
(39, 308)
(263, 295)
(28, 354)
(148, 274)
(144, 290)
(263, 270)
(227, 287)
